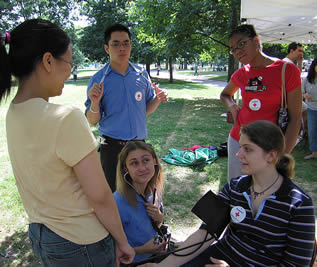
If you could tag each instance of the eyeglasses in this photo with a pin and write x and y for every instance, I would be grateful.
(70, 63)
(118, 45)
(242, 44)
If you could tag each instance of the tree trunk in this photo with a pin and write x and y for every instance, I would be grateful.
(234, 24)
(170, 64)
(148, 68)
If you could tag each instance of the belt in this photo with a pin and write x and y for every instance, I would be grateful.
(110, 140)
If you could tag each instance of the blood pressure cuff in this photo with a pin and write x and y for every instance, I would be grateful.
(214, 212)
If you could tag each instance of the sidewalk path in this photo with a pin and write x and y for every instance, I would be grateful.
(203, 79)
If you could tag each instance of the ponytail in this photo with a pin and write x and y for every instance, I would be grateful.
(285, 166)
(5, 69)
(29, 41)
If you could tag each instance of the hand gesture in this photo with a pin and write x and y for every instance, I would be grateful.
(124, 254)
(217, 263)
(161, 94)
(308, 96)
(235, 109)
(154, 212)
(95, 93)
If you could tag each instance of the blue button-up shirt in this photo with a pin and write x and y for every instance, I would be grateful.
(124, 100)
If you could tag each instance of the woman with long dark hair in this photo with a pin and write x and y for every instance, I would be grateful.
(310, 95)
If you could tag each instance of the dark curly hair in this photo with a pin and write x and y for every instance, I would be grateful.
(312, 72)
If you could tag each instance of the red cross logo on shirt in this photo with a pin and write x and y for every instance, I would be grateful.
(138, 96)
(255, 104)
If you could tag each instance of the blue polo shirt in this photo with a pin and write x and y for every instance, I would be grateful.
(124, 100)
(136, 223)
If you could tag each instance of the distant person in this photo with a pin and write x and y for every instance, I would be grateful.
(295, 55)
(73, 218)
(310, 95)
(196, 70)
(271, 219)
(139, 184)
(260, 82)
(119, 97)
(158, 70)
(75, 73)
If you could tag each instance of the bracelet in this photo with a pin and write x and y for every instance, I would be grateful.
(91, 110)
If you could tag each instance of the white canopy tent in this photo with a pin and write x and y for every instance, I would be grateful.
(282, 21)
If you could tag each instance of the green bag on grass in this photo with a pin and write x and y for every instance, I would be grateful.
(198, 157)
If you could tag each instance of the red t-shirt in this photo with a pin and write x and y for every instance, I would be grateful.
(261, 92)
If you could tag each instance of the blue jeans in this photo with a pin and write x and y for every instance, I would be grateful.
(54, 250)
(312, 129)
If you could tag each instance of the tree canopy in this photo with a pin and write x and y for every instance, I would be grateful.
(186, 31)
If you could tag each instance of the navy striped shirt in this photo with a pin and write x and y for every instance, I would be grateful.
(282, 232)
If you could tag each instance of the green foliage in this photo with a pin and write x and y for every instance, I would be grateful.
(15, 11)
(310, 51)
(178, 29)
(100, 14)
(57, 11)
(161, 28)
(7, 17)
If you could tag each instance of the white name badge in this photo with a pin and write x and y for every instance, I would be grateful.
(237, 214)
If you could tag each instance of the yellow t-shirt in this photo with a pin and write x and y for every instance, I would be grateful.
(44, 141)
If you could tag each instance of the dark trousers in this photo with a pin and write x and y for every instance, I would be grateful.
(109, 159)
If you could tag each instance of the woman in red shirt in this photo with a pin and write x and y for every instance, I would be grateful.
(260, 83)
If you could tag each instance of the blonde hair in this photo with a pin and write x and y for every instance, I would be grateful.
(156, 181)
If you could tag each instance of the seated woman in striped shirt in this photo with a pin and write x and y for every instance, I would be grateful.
(272, 219)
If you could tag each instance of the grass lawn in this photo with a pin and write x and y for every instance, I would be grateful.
(191, 118)
(219, 78)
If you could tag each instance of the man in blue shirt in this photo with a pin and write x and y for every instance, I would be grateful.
(119, 97)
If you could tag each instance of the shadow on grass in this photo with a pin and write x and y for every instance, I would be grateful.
(16, 250)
